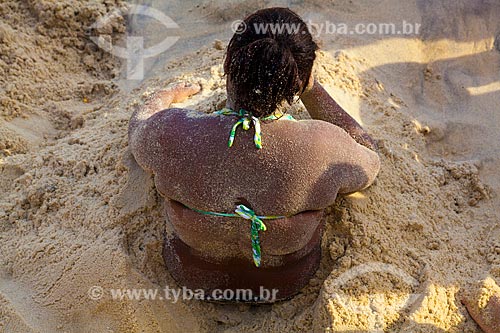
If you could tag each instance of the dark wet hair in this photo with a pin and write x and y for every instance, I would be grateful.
(267, 68)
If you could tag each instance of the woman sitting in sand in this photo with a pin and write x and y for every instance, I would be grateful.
(245, 187)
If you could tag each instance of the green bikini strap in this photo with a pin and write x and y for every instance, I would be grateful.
(256, 226)
(245, 120)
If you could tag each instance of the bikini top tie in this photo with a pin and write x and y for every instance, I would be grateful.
(246, 119)
(255, 226)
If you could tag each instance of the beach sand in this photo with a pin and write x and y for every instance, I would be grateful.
(76, 212)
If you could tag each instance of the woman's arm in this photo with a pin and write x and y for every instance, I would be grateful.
(161, 100)
(322, 106)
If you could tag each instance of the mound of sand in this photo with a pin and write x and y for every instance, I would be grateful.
(76, 212)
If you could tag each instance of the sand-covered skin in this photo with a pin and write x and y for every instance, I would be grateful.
(76, 212)
(483, 304)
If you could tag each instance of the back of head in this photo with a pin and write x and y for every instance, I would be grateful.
(270, 61)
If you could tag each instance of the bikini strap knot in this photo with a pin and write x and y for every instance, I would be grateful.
(246, 119)
(256, 226)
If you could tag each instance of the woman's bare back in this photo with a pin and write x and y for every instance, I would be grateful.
(302, 165)
(300, 169)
